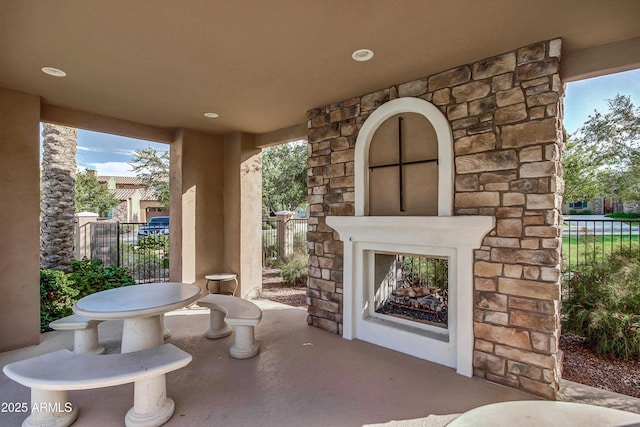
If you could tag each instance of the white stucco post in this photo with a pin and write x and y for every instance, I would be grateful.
(285, 233)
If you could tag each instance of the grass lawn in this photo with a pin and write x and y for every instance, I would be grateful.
(578, 251)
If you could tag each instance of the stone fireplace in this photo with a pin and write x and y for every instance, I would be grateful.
(481, 189)
(395, 215)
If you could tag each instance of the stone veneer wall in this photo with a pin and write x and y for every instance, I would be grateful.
(505, 113)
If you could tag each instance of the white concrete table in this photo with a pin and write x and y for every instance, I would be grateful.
(141, 307)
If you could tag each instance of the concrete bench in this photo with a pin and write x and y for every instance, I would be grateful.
(50, 376)
(85, 333)
(244, 315)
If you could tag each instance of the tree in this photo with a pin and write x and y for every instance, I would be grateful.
(613, 138)
(604, 155)
(284, 176)
(57, 219)
(91, 196)
(581, 179)
(152, 166)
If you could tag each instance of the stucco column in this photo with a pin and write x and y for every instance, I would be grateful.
(197, 231)
(20, 243)
(242, 211)
(285, 233)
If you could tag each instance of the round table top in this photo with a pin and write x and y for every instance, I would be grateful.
(137, 301)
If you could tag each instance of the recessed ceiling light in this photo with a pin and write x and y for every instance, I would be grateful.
(53, 71)
(211, 115)
(362, 55)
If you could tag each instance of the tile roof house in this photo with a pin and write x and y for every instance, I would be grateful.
(137, 202)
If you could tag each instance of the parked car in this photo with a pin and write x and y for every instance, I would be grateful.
(156, 225)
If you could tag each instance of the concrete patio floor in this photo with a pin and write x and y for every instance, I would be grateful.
(303, 376)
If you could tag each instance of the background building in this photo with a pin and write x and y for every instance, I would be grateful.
(138, 203)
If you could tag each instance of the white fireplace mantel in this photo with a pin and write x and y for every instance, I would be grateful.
(449, 231)
(454, 237)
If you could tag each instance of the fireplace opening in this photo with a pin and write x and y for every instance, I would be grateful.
(412, 287)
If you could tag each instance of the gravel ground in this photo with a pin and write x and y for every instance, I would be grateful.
(275, 290)
(583, 365)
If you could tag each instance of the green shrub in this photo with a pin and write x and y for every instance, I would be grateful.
(603, 306)
(268, 225)
(146, 266)
(59, 291)
(294, 269)
(57, 296)
(90, 276)
(154, 242)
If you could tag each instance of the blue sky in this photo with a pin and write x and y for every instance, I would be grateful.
(110, 154)
(585, 96)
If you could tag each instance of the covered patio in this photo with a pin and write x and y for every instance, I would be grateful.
(302, 377)
(479, 86)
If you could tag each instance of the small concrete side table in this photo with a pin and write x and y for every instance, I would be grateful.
(222, 277)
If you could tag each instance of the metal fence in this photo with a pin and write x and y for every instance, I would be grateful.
(299, 230)
(282, 237)
(587, 243)
(126, 245)
(412, 287)
(147, 257)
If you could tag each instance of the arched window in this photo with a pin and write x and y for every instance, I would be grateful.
(404, 161)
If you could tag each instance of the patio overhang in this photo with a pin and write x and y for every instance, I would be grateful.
(151, 73)
(164, 65)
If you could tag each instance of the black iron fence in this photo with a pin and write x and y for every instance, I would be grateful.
(412, 287)
(130, 245)
(589, 242)
(585, 242)
(282, 237)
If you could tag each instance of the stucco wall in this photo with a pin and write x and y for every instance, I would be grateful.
(215, 205)
(242, 212)
(505, 114)
(19, 246)
(196, 206)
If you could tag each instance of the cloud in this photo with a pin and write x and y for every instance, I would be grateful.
(109, 150)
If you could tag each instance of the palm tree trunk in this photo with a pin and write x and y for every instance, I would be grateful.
(57, 221)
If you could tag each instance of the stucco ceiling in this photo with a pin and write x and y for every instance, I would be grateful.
(261, 64)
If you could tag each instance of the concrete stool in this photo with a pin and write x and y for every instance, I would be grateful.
(244, 315)
(85, 333)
